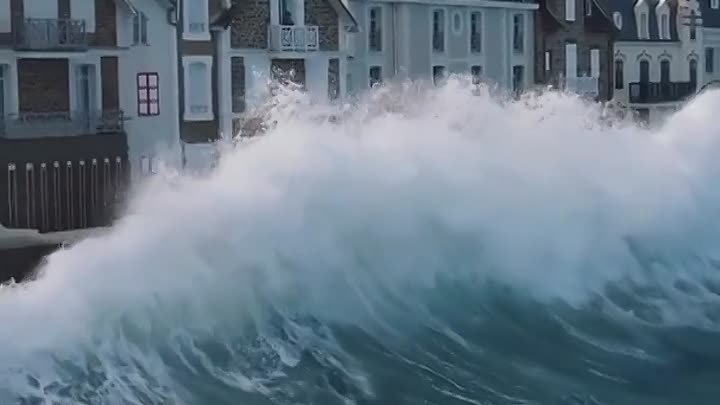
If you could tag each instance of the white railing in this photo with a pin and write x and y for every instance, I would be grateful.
(51, 33)
(584, 85)
(293, 38)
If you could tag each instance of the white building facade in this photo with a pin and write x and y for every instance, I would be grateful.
(427, 39)
(666, 53)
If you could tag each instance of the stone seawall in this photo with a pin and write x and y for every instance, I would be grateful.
(19, 263)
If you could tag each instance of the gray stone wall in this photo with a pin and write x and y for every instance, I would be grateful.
(552, 38)
(249, 28)
(322, 14)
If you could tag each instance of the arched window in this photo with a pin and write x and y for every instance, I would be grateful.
(693, 72)
(665, 71)
(619, 74)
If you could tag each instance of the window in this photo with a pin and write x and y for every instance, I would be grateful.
(693, 72)
(375, 76)
(196, 17)
(148, 92)
(715, 4)
(198, 88)
(438, 23)
(619, 74)
(237, 83)
(588, 7)
(693, 21)
(476, 72)
(643, 32)
(518, 73)
(2, 94)
(375, 31)
(665, 26)
(476, 32)
(518, 33)
(457, 22)
(595, 63)
(571, 60)
(617, 19)
(709, 60)
(438, 74)
(570, 10)
(333, 78)
(140, 25)
(664, 71)
(547, 60)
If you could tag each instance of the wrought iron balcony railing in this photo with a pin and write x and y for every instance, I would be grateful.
(54, 124)
(660, 92)
(293, 38)
(51, 34)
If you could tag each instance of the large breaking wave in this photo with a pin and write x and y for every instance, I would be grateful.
(427, 246)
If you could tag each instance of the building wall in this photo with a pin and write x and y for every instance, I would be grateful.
(407, 27)
(149, 136)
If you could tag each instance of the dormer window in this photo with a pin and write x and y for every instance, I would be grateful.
(643, 32)
(642, 17)
(663, 18)
(617, 19)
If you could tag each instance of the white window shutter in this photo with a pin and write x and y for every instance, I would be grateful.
(570, 10)
(547, 60)
(595, 63)
(570, 60)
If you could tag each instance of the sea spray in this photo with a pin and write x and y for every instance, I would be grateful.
(433, 245)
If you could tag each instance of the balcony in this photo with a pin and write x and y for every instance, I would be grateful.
(28, 125)
(293, 38)
(47, 34)
(584, 85)
(660, 92)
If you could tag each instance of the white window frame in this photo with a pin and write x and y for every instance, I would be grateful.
(569, 10)
(547, 61)
(196, 36)
(595, 62)
(571, 60)
(208, 62)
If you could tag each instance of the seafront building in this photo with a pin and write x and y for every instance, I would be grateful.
(428, 39)
(87, 94)
(665, 53)
(574, 47)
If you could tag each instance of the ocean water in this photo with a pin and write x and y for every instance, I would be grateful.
(427, 247)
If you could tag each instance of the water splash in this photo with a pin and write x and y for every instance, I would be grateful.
(413, 215)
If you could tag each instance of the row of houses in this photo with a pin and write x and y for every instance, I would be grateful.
(93, 93)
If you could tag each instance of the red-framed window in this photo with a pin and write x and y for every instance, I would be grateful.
(148, 94)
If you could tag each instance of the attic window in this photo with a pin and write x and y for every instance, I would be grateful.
(643, 32)
(617, 19)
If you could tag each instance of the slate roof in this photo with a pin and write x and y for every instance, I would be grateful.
(628, 32)
(710, 16)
